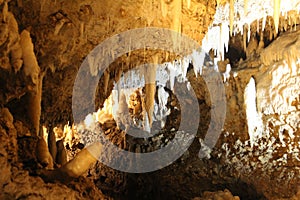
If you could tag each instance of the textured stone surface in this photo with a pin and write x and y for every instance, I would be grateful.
(64, 32)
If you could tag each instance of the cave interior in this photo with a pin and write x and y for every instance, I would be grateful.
(169, 99)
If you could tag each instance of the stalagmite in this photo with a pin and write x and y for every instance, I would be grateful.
(61, 157)
(276, 14)
(83, 160)
(31, 69)
(43, 155)
(52, 144)
(77, 166)
(253, 119)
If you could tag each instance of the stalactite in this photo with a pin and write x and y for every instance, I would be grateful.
(270, 34)
(261, 44)
(149, 16)
(295, 23)
(81, 29)
(31, 69)
(231, 16)
(176, 21)
(224, 39)
(5, 11)
(244, 39)
(123, 115)
(34, 99)
(106, 76)
(164, 8)
(177, 16)
(150, 77)
(245, 7)
(171, 74)
(118, 74)
(15, 47)
(285, 25)
(264, 23)
(248, 32)
(188, 2)
(276, 14)
(198, 60)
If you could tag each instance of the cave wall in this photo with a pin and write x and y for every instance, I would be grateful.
(64, 32)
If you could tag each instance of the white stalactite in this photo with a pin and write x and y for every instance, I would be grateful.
(162, 101)
(276, 14)
(238, 13)
(198, 60)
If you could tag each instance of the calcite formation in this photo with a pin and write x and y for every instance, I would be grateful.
(251, 45)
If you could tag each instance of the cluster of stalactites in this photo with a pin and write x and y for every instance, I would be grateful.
(238, 15)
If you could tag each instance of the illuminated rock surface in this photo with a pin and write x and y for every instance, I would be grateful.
(257, 153)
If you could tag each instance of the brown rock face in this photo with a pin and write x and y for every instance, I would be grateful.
(42, 46)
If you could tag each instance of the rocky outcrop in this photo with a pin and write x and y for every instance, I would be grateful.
(17, 183)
